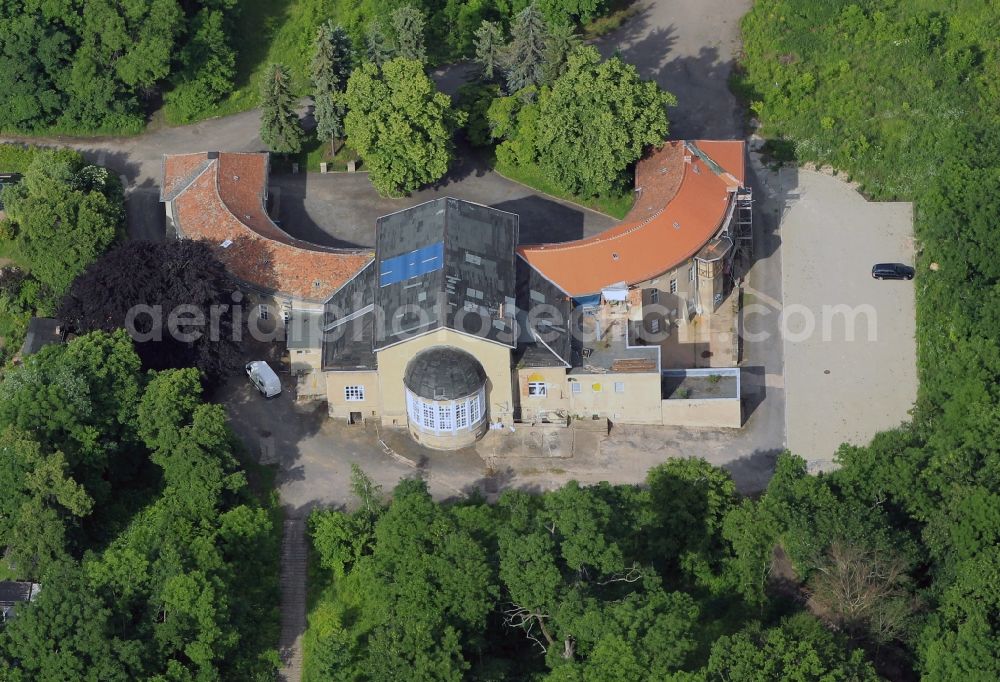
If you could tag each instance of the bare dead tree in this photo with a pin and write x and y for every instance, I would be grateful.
(861, 592)
(519, 617)
(631, 575)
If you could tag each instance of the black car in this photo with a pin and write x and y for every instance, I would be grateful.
(892, 271)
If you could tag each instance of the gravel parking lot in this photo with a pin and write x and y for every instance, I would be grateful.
(850, 349)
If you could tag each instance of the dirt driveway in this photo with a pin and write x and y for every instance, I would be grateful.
(850, 348)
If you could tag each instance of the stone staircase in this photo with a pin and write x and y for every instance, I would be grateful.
(294, 560)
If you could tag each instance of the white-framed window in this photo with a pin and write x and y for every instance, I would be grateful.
(673, 286)
(654, 295)
(475, 410)
(354, 393)
(691, 274)
(619, 387)
(446, 421)
(654, 325)
(537, 389)
(576, 387)
(449, 417)
(265, 312)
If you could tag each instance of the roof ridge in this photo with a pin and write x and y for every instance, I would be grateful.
(188, 180)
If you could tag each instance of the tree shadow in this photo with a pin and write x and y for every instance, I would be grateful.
(753, 472)
(630, 31)
(775, 194)
(650, 54)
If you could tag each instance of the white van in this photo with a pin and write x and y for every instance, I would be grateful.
(264, 378)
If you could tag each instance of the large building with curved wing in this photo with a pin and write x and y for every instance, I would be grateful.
(451, 327)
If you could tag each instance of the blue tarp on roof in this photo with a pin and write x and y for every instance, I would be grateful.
(591, 301)
(412, 264)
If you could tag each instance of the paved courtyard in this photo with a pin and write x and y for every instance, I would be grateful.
(340, 209)
(850, 348)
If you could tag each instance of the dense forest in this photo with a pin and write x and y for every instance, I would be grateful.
(674, 580)
(123, 497)
(94, 65)
(87, 66)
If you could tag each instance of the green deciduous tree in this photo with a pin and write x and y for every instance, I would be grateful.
(564, 10)
(80, 399)
(565, 564)
(208, 65)
(63, 215)
(424, 588)
(39, 499)
(32, 66)
(597, 120)
(798, 649)
(962, 638)
(400, 125)
(279, 121)
(66, 633)
(690, 499)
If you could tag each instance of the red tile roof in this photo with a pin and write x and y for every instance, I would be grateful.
(220, 197)
(681, 203)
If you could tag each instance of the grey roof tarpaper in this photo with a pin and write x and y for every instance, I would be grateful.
(544, 319)
(471, 293)
(347, 328)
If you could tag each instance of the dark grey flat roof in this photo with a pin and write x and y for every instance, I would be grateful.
(12, 592)
(444, 373)
(347, 327)
(469, 287)
(544, 320)
(42, 331)
(348, 347)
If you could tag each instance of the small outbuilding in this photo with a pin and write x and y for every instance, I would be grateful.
(13, 594)
(42, 331)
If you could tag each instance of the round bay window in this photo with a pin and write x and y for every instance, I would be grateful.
(445, 398)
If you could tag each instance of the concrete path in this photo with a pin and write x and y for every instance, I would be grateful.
(294, 574)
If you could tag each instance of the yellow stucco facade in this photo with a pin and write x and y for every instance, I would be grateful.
(628, 398)
(337, 394)
(384, 392)
(543, 394)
